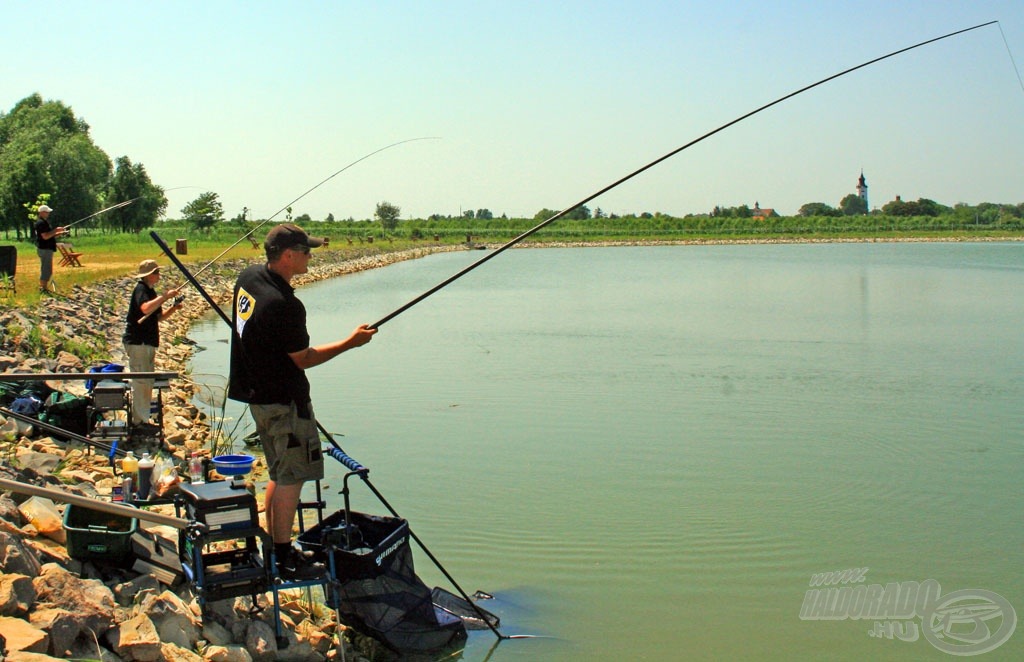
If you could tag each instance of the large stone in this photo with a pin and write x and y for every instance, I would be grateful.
(173, 619)
(9, 510)
(41, 463)
(16, 557)
(88, 648)
(63, 627)
(216, 634)
(128, 592)
(89, 599)
(17, 594)
(172, 653)
(20, 635)
(25, 656)
(226, 654)
(261, 642)
(67, 362)
(136, 639)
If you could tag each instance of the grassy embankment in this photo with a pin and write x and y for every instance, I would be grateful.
(110, 256)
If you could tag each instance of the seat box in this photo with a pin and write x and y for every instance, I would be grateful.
(221, 506)
(94, 534)
(109, 394)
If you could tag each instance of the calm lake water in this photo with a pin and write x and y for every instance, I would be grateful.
(649, 453)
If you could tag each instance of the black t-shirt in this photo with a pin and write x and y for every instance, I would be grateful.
(147, 333)
(269, 323)
(41, 226)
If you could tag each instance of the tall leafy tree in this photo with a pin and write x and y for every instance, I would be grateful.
(44, 148)
(131, 182)
(853, 205)
(387, 214)
(817, 209)
(204, 211)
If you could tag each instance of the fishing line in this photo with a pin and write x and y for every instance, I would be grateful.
(248, 234)
(650, 165)
(1012, 61)
(120, 205)
(362, 158)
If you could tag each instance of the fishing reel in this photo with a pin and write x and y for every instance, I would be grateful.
(180, 299)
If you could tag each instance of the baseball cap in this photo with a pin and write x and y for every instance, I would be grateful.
(289, 235)
(43, 208)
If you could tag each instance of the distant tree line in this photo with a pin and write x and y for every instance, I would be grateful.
(47, 155)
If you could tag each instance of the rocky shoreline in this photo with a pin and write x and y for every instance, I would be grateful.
(53, 607)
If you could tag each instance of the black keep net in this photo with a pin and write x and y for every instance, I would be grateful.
(378, 591)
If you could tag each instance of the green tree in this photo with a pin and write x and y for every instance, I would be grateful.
(580, 213)
(45, 148)
(387, 214)
(204, 211)
(817, 209)
(239, 220)
(303, 218)
(484, 214)
(131, 182)
(853, 205)
(920, 207)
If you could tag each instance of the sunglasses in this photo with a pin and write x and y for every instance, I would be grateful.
(300, 249)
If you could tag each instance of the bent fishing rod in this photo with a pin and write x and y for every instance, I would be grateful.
(119, 206)
(650, 165)
(110, 208)
(336, 450)
(287, 206)
(274, 215)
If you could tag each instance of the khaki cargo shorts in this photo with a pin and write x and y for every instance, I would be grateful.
(291, 444)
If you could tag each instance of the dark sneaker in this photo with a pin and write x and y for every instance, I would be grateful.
(299, 567)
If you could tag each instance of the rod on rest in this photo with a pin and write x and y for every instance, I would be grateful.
(347, 460)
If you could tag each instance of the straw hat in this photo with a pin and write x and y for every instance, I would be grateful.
(147, 267)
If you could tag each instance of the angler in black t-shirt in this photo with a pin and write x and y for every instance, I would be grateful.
(142, 336)
(46, 244)
(270, 353)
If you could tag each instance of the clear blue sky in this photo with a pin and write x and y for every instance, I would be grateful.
(537, 104)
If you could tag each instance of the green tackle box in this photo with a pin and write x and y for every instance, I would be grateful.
(93, 534)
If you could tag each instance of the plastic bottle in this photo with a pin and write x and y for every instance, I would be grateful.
(130, 464)
(145, 476)
(195, 469)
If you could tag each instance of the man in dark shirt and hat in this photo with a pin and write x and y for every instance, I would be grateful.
(270, 352)
(142, 335)
(46, 244)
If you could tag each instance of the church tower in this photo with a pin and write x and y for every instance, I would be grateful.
(862, 191)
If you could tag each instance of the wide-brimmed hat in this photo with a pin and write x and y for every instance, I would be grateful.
(289, 235)
(147, 267)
